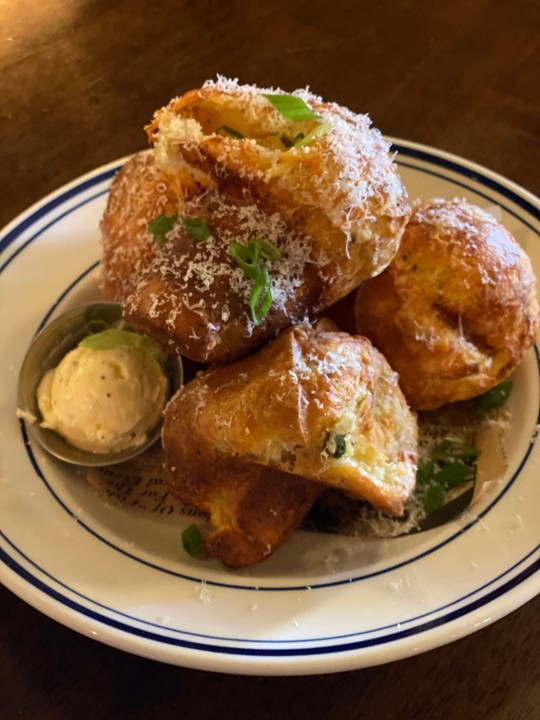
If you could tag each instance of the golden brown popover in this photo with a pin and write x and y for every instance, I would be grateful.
(314, 404)
(324, 191)
(341, 189)
(457, 308)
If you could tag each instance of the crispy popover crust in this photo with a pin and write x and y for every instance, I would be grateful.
(315, 405)
(252, 509)
(194, 299)
(457, 308)
(335, 208)
(342, 190)
(139, 193)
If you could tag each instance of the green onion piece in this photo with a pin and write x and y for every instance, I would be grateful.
(247, 256)
(287, 141)
(161, 225)
(340, 445)
(246, 259)
(291, 143)
(291, 107)
(454, 474)
(254, 251)
(495, 397)
(197, 228)
(267, 250)
(239, 251)
(230, 131)
(454, 448)
(260, 300)
(425, 471)
(192, 540)
(317, 132)
(434, 498)
(116, 337)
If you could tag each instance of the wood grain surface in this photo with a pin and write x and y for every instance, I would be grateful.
(78, 80)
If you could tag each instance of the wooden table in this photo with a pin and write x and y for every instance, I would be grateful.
(79, 79)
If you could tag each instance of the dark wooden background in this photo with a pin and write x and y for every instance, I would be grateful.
(78, 80)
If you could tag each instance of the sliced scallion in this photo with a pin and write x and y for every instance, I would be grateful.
(248, 258)
(230, 131)
(260, 300)
(291, 107)
(192, 540)
(434, 498)
(287, 141)
(267, 250)
(317, 132)
(340, 444)
(425, 471)
(291, 143)
(454, 474)
(161, 225)
(197, 228)
(495, 397)
(453, 447)
(117, 337)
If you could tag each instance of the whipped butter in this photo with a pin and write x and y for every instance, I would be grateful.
(103, 400)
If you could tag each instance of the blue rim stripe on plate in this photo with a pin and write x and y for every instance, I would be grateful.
(475, 175)
(50, 205)
(46, 227)
(467, 187)
(342, 647)
(65, 293)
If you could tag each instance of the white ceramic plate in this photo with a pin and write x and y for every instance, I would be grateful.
(321, 603)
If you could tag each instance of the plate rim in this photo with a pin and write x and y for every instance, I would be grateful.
(525, 590)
